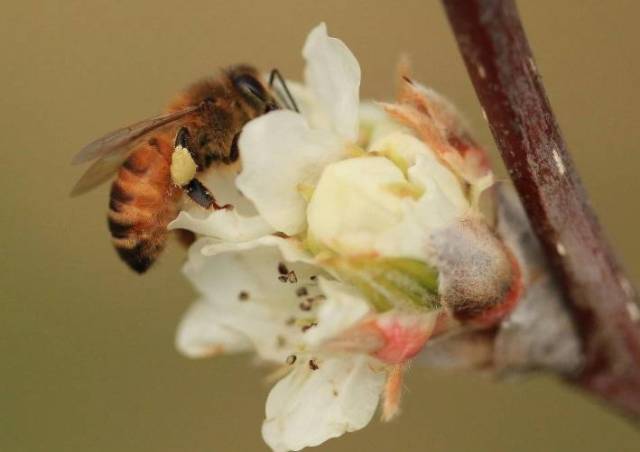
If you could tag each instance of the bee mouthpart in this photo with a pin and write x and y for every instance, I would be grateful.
(271, 106)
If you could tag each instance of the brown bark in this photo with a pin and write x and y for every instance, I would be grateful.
(597, 293)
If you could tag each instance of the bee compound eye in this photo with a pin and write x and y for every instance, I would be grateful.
(250, 87)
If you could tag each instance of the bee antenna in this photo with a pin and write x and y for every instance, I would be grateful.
(275, 74)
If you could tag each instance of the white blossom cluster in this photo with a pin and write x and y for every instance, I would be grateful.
(356, 235)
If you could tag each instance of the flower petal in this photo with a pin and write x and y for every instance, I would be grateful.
(223, 224)
(241, 223)
(342, 309)
(247, 293)
(352, 204)
(309, 106)
(290, 249)
(442, 202)
(333, 75)
(222, 181)
(281, 156)
(442, 190)
(376, 123)
(201, 334)
(308, 407)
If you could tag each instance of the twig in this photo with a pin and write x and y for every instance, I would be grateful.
(598, 295)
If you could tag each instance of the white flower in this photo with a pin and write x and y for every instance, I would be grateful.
(297, 147)
(296, 154)
(308, 407)
(368, 205)
(290, 312)
(337, 259)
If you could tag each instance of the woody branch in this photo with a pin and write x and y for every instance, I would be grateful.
(597, 293)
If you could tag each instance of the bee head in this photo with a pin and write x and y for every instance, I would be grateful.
(248, 84)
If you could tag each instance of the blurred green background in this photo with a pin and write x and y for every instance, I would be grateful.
(88, 362)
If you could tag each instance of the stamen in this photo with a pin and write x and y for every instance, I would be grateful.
(308, 326)
(282, 269)
(291, 359)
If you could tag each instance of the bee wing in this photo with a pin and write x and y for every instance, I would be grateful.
(125, 136)
(111, 150)
(100, 171)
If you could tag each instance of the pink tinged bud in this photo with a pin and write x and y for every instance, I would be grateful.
(392, 393)
(392, 338)
(439, 125)
(480, 280)
(444, 323)
(402, 337)
(495, 314)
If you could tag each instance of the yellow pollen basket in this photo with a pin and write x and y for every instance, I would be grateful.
(183, 168)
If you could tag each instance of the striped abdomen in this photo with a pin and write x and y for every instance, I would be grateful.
(142, 203)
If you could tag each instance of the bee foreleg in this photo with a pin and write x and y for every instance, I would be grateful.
(183, 173)
(183, 138)
(202, 196)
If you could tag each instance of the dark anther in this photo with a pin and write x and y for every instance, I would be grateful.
(308, 326)
(282, 269)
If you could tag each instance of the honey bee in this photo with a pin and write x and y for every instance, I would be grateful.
(202, 125)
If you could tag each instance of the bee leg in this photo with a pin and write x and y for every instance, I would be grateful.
(202, 196)
(183, 138)
(194, 188)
